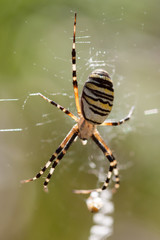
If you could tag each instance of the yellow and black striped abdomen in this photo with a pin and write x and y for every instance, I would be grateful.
(97, 97)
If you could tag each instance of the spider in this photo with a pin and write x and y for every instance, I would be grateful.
(94, 107)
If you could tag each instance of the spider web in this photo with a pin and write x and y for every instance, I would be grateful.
(103, 221)
(95, 59)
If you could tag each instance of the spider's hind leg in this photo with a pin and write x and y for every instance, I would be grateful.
(74, 71)
(66, 111)
(116, 123)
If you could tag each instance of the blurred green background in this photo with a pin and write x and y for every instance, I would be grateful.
(120, 36)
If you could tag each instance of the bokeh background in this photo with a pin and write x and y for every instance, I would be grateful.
(120, 36)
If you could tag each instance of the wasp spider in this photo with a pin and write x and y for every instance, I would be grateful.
(94, 107)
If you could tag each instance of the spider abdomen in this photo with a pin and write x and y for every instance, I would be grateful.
(97, 97)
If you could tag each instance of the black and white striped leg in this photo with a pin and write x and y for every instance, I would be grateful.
(116, 123)
(59, 157)
(54, 155)
(113, 163)
(74, 72)
(66, 111)
(112, 168)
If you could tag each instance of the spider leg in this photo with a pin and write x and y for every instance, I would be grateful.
(74, 73)
(66, 111)
(54, 155)
(115, 123)
(72, 137)
(112, 168)
(113, 163)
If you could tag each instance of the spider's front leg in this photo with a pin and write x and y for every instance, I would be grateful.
(112, 168)
(74, 133)
(56, 157)
(113, 163)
